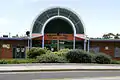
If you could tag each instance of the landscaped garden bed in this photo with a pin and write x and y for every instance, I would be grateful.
(40, 55)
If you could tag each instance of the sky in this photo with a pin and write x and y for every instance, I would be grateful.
(98, 16)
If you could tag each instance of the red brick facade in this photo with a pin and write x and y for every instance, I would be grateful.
(7, 53)
(106, 46)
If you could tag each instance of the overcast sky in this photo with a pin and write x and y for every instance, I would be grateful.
(98, 16)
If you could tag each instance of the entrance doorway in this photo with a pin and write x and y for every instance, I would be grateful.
(19, 52)
(59, 41)
(60, 33)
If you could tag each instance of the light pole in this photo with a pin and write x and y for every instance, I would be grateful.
(88, 45)
(28, 37)
(28, 43)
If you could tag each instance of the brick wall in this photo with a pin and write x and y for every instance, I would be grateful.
(106, 47)
(6, 53)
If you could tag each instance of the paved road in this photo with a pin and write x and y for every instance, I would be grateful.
(57, 75)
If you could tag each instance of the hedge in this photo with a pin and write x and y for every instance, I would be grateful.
(40, 55)
(34, 52)
(79, 56)
(61, 52)
(102, 58)
(115, 62)
(17, 61)
(51, 58)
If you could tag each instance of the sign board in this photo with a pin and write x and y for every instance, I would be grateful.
(6, 46)
(58, 36)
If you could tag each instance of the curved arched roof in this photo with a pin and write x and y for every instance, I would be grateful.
(42, 18)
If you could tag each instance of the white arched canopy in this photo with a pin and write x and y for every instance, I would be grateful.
(50, 14)
(57, 12)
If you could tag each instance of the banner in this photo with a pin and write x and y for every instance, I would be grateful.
(58, 36)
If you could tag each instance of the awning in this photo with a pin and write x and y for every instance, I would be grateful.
(37, 36)
(80, 37)
(77, 37)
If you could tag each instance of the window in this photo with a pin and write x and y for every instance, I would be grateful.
(117, 52)
(95, 49)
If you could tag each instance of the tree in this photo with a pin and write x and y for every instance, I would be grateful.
(111, 35)
(117, 36)
(105, 36)
(108, 36)
(28, 33)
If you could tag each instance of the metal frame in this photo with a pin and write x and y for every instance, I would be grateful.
(69, 9)
(60, 17)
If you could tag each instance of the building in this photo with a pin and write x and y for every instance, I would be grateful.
(57, 28)
(108, 46)
(12, 47)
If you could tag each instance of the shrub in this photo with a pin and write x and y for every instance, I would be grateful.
(115, 62)
(73, 56)
(63, 52)
(34, 52)
(3, 62)
(102, 58)
(12, 61)
(51, 58)
(92, 56)
(17, 61)
(79, 56)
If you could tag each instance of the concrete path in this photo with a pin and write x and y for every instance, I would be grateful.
(97, 78)
(61, 75)
(56, 67)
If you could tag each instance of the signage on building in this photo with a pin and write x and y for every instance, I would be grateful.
(6, 46)
(59, 36)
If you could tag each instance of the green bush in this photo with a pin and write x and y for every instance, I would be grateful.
(3, 62)
(79, 56)
(73, 56)
(102, 58)
(92, 56)
(61, 52)
(115, 62)
(17, 61)
(34, 52)
(13, 61)
(26, 60)
(51, 58)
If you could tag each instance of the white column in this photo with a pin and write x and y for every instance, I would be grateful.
(74, 42)
(88, 45)
(85, 45)
(58, 46)
(43, 41)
